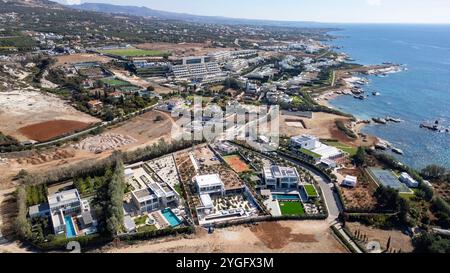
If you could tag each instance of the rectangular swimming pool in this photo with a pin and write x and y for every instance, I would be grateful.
(171, 217)
(286, 197)
(70, 229)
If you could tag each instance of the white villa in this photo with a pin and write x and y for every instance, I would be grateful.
(62, 204)
(408, 180)
(350, 181)
(150, 191)
(276, 177)
(312, 144)
(209, 184)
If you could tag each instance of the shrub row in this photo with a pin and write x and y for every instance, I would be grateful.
(156, 233)
(260, 219)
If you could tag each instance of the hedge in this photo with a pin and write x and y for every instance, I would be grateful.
(156, 233)
(259, 219)
(89, 241)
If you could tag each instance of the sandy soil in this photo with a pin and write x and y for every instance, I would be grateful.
(22, 108)
(283, 237)
(144, 129)
(399, 241)
(47, 130)
(7, 213)
(360, 197)
(80, 58)
(323, 126)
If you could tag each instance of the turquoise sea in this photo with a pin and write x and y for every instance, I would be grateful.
(422, 93)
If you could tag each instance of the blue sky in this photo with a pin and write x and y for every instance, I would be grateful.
(342, 11)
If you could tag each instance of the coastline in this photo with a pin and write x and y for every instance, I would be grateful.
(351, 85)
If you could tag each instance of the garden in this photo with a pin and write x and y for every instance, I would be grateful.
(291, 208)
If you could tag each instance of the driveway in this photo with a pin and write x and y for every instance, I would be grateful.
(332, 200)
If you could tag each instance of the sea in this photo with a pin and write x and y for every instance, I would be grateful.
(419, 94)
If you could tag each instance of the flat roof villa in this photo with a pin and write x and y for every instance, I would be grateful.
(65, 200)
(311, 146)
(350, 181)
(216, 203)
(62, 206)
(150, 191)
(408, 180)
(209, 184)
(277, 177)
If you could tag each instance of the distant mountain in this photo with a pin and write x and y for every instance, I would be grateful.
(35, 3)
(148, 12)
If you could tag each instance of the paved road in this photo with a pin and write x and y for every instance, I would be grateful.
(331, 199)
(347, 238)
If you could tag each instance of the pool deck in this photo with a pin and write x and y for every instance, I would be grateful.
(273, 207)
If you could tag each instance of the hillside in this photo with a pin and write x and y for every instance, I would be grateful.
(148, 12)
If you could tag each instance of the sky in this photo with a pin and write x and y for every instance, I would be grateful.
(333, 11)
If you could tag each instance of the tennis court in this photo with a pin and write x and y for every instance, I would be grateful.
(388, 179)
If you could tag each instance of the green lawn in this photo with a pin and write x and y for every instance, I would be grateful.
(308, 152)
(147, 228)
(141, 220)
(291, 208)
(114, 82)
(310, 190)
(350, 150)
(135, 52)
(178, 189)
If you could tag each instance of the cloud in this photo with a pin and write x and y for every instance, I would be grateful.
(374, 2)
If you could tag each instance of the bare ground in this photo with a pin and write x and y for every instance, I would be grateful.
(22, 108)
(323, 126)
(399, 241)
(283, 237)
(144, 129)
(80, 58)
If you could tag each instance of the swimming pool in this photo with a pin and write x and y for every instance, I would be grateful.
(286, 197)
(171, 217)
(70, 229)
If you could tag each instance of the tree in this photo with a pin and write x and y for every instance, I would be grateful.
(434, 172)
(360, 157)
(22, 225)
(22, 173)
(150, 88)
(431, 243)
(388, 245)
(387, 198)
(115, 192)
(404, 208)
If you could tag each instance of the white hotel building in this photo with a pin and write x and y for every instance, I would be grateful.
(198, 68)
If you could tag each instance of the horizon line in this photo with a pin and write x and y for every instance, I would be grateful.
(268, 20)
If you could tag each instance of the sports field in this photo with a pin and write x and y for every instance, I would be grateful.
(114, 82)
(291, 208)
(134, 52)
(236, 163)
(388, 179)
